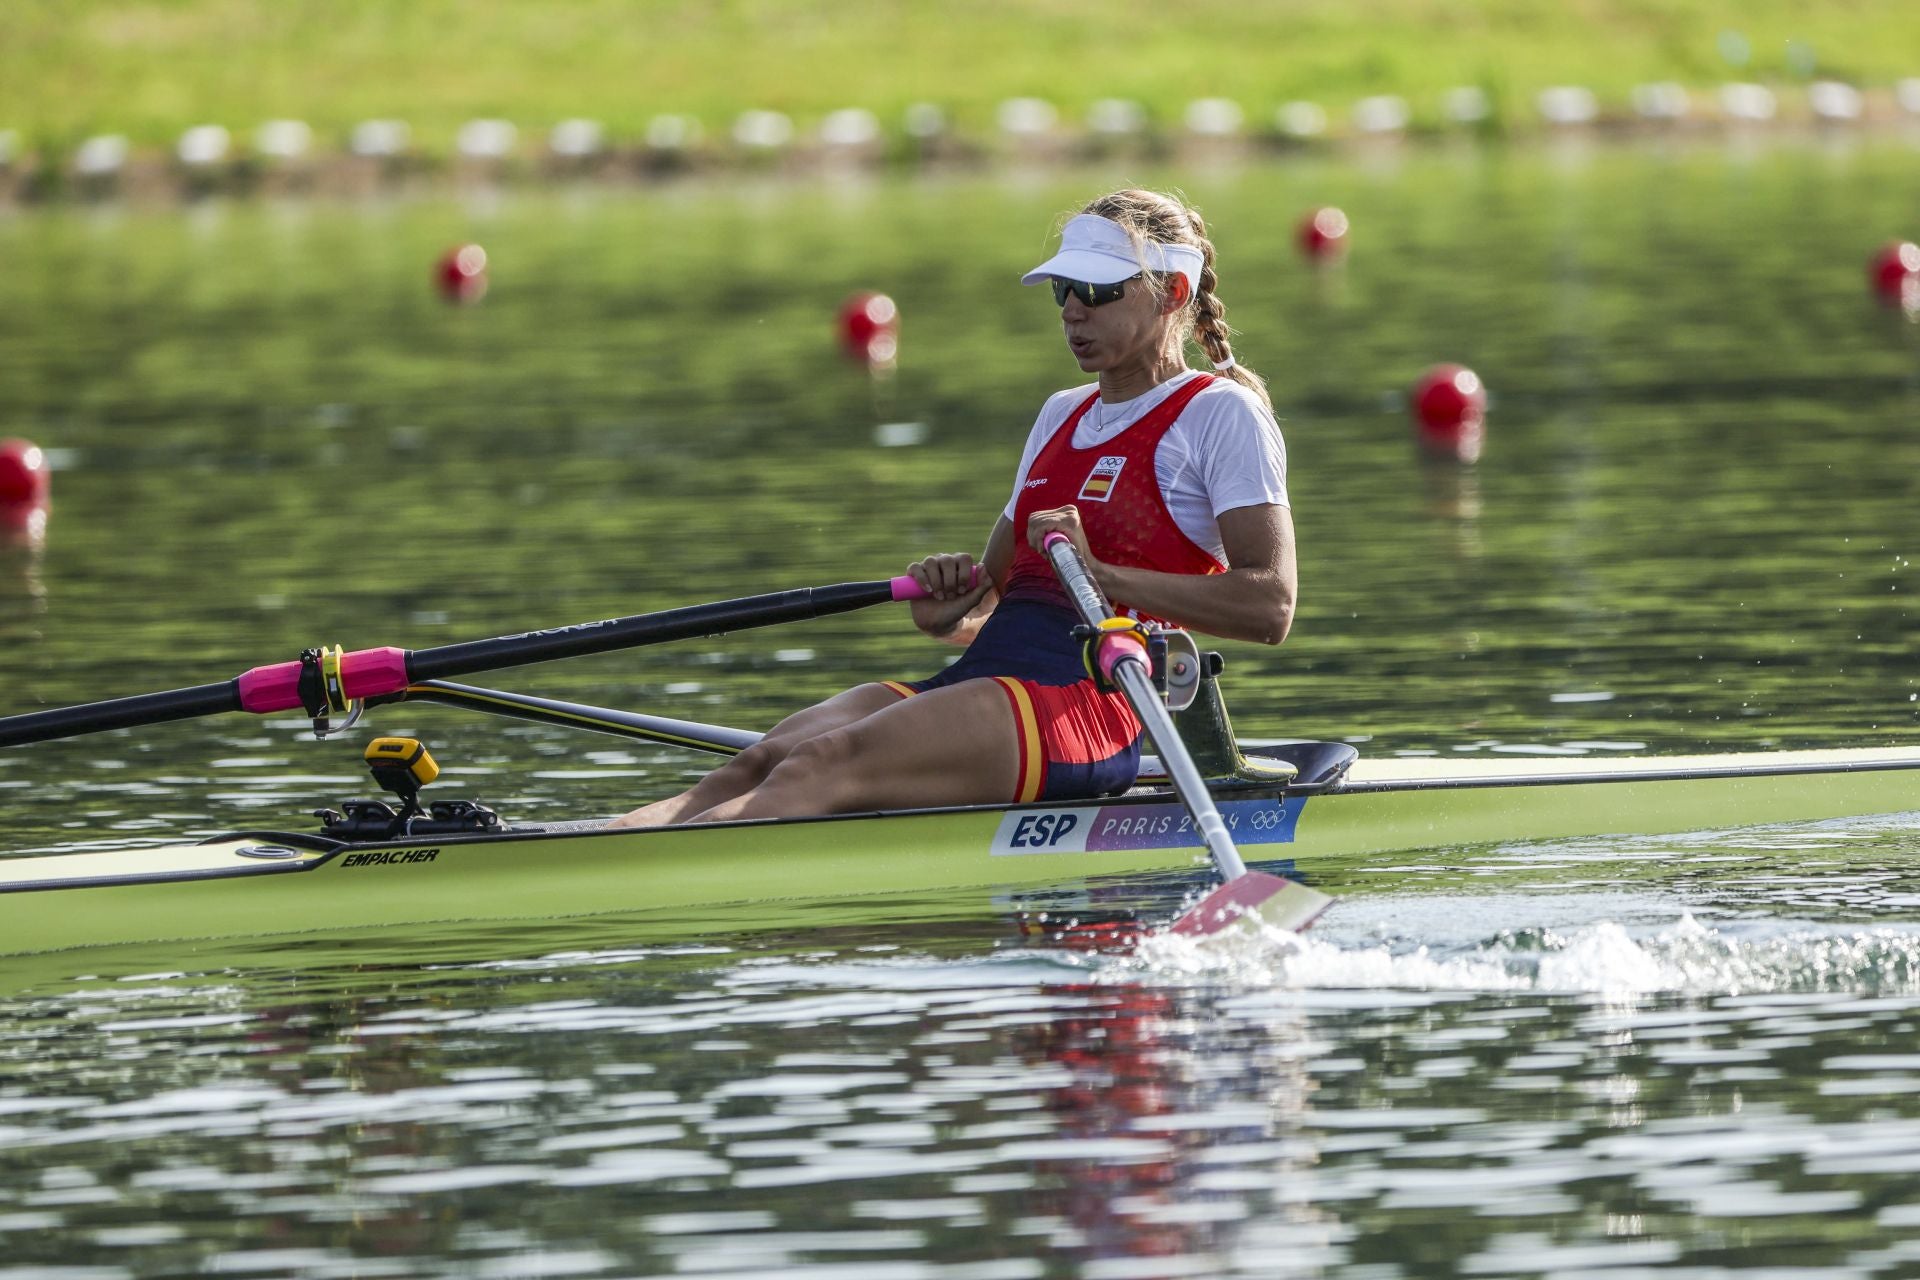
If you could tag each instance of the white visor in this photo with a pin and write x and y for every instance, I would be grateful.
(1099, 251)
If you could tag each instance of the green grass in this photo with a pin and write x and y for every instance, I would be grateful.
(149, 69)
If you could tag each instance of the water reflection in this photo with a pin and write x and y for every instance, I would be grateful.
(849, 1097)
(1208, 1114)
(1454, 506)
(23, 588)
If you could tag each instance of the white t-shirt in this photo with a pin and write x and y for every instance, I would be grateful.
(1223, 452)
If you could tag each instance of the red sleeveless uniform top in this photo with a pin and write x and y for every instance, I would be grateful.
(1121, 507)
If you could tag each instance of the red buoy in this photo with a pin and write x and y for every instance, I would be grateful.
(1894, 272)
(462, 273)
(24, 478)
(1323, 233)
(1450, 410)
(25, 487)
(870, 328)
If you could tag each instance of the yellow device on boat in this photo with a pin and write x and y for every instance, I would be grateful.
(401, 765)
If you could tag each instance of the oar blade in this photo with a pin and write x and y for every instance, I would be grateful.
(1250, 902)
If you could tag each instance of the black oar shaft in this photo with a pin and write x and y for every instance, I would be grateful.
(474, 656)
(266, 689)
(143, 708)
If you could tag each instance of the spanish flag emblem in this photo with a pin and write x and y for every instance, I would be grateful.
(1100, 481)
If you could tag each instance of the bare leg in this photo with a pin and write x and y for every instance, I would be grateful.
(750, 768)
(953, 745)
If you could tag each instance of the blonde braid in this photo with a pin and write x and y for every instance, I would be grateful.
(1210, 319)
(1167, 219)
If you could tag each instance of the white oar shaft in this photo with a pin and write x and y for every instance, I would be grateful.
(1132, 676)
(1136, 681)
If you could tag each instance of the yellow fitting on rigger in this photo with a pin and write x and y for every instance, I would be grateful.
(331, 680)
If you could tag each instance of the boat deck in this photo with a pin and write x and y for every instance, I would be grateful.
(1401, 772)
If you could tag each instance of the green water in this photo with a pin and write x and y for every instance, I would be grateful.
(1690, 530)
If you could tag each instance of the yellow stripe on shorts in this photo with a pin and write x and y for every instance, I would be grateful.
(1026, 726)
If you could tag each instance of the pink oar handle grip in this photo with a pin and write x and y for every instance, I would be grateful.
(905, 588)
(364, 673)
(1116, 647)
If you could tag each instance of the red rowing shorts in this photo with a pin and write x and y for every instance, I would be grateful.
(1074, 741)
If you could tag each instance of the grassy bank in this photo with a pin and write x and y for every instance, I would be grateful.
(147, 70)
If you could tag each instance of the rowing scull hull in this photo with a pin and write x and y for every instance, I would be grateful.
(271, 883)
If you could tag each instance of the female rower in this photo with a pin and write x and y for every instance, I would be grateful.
(1172, 485)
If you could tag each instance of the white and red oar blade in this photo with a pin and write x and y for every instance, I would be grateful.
(1254, 900)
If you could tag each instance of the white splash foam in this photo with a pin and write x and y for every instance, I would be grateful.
(1604, 958)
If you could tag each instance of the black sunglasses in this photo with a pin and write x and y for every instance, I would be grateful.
(1092, 295)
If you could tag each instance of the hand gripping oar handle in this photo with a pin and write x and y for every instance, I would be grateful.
(372, 673)
(1123, 660)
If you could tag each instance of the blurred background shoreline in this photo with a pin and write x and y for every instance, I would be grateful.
(104, 98)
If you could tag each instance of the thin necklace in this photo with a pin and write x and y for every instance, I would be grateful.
(1100, 410)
